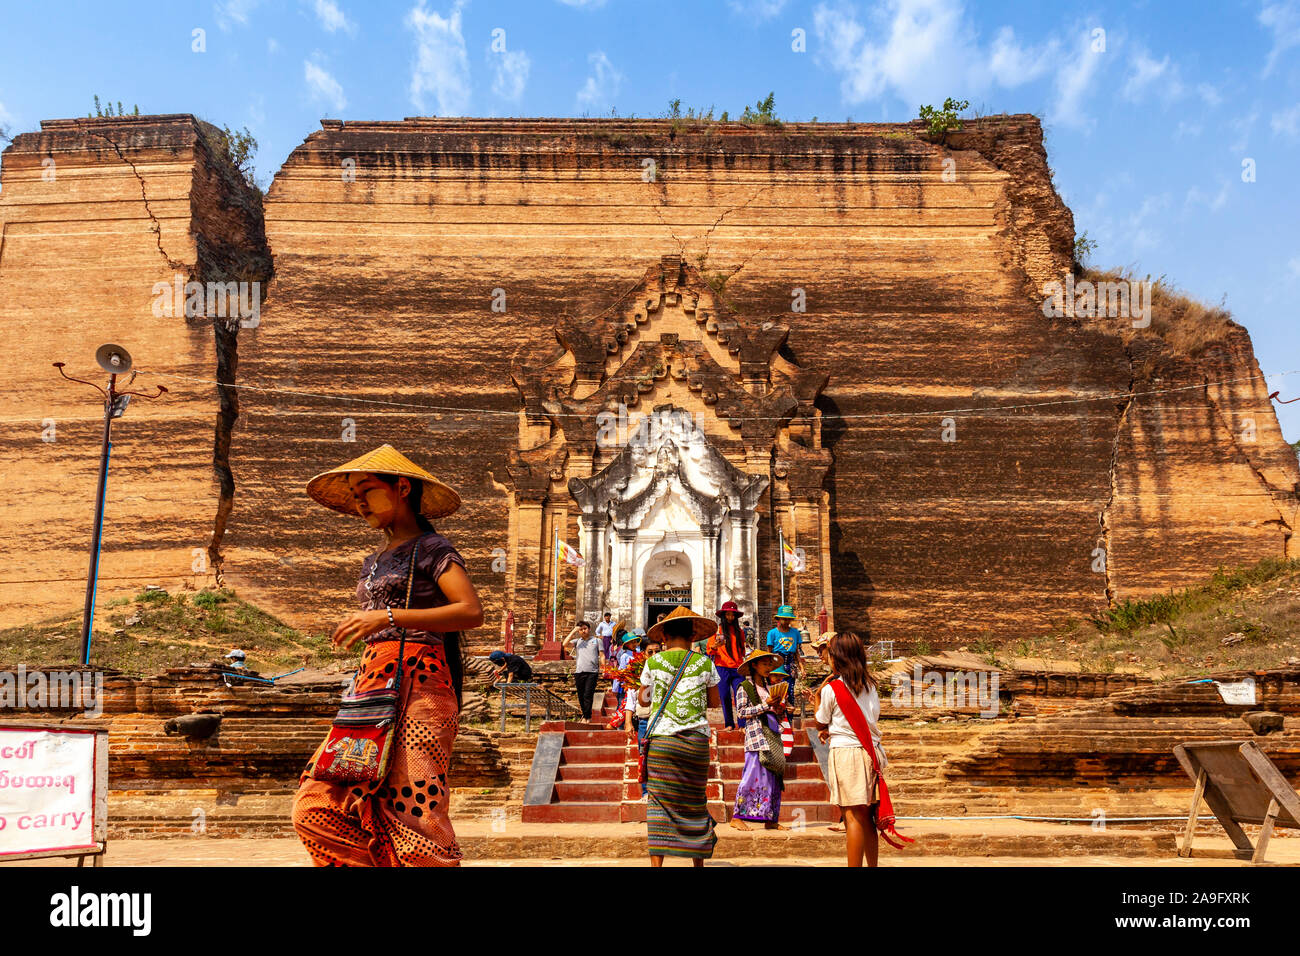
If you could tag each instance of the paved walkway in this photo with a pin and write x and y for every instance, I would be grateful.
(1011, 842)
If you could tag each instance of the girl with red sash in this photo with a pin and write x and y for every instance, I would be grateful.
(848, 715)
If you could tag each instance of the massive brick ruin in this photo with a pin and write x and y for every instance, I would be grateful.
(477, 291)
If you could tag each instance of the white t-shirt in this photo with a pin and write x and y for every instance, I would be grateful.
(841, 733)
(605, 629)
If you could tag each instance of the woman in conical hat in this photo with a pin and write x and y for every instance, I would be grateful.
(679, 685)
(402, 819)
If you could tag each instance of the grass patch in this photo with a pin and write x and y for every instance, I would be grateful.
(1130, 615)
(1187, 325)
(1182, 632)
(154, 630)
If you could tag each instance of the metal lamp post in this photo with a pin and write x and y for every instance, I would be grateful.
(116, 361)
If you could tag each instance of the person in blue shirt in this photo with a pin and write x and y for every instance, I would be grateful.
(511, 666)
(784, 639)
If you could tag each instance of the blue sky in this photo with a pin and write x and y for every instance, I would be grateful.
(1148, 122)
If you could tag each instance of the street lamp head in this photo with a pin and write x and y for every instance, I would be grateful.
(113, 358)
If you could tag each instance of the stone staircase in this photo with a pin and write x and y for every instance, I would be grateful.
(591, 778)
(596, 778)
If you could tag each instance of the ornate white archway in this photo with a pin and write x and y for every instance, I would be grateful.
(668, 491)
(668, 344)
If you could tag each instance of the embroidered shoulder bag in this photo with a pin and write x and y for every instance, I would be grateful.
(360, 742)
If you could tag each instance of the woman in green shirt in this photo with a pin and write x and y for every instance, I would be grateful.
(679, 685)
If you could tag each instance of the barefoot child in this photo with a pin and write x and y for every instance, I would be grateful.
(848, 714)
(759, 706)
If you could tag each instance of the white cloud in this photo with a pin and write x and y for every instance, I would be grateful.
(323, 86)
(510, 73)
(1294, 266)
(603, 83)
(1209, 94)
(5, 116)
(1152, 76)
(1214, 203)
(921, 51)
(1287, 121)
(1283, 21)
(1242, 126)
(231, 12)
(584, 4)
(1012, 64)
(441, 65)
(1138, 227)
(1074, 82)
(756, 9)
(331, 18)
(272, 45)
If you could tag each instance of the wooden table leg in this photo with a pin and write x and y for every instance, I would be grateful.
(1266, 831)
(1185, 848)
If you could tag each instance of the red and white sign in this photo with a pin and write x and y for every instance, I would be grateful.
(47, 790)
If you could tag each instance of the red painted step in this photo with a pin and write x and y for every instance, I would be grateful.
(589, 738)
(590, 791)
(573, 813)
(810, 770)
(589, 771)
(796, 791)
(591, 755)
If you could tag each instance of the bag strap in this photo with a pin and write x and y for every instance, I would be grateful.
(858, 721)
(401, 646)
(681, 669)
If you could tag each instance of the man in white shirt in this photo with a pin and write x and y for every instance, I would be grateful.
(586, 665)
(605, 631)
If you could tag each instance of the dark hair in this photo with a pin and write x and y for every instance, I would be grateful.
(732, 634)
(450, 639)
(679, 627)
(413, 498)
(849, 661)
(584, 624)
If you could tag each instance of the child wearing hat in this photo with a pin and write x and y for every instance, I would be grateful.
(761, 702)
(785, 639)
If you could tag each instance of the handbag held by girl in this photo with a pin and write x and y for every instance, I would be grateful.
(360, 742)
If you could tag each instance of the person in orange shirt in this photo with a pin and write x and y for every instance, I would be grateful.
(727, 649)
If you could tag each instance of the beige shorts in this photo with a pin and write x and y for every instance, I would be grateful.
(850, 776)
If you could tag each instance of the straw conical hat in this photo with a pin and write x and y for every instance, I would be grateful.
(331, 487)
(702, 626)
(756, 656)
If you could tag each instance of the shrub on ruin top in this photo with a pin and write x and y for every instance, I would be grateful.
(940, 122)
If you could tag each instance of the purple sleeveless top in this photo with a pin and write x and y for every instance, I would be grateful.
(388, 586)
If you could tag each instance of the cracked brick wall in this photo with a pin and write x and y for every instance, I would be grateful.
(94, 213)
(922, 267)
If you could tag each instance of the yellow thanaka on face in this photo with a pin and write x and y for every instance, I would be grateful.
(376, 501)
